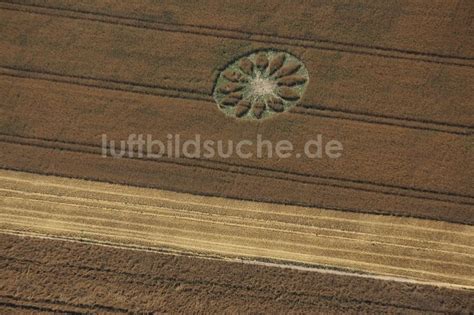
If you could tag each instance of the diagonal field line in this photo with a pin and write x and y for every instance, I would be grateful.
(217, 235)
(285, 265)
(165, 240)
(300, 109)
(375, 51)
(392, 222)
(155, 210)
(168, 212)
(243, 169)
(200, 233)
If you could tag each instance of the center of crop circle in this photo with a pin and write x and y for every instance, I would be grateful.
(261, 86)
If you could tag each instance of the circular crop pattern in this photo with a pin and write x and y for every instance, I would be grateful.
(261, 84)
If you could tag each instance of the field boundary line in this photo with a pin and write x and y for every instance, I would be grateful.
(23, 221)
(129, 235)
(201, 163)
(300, 109)
(73, 214)
(21, 306)
(64, 218)
(62, 303)
(201, 282)
(316, 217)
(258, 223)
(273, 264)
(328, 45)
(387, 222)
(378, 212)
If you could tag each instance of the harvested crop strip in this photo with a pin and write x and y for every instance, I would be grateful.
(423, 250)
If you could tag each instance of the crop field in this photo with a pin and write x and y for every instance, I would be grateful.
(427, 250)
(387, 227)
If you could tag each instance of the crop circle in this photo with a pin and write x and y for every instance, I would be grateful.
(261, 84)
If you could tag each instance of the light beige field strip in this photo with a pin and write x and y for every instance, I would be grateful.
(418, 249)
(449, 248)
(347, 250)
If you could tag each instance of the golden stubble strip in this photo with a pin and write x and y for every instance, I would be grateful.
(418, 249)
